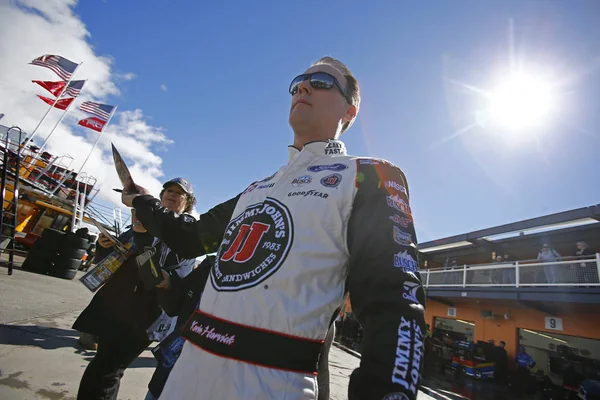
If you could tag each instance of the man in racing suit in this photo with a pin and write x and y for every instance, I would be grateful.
(289, 248)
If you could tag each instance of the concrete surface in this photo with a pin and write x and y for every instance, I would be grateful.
(40, 357)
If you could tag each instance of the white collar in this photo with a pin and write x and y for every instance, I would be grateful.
(320, 147)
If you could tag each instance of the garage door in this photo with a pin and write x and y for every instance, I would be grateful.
(555, 353)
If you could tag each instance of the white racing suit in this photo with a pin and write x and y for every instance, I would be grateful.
(288, 250)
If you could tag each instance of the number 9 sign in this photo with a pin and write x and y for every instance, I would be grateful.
(553, 323)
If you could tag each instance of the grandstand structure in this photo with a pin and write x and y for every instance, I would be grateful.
(551, 307)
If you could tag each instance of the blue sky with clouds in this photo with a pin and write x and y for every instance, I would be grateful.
(215, 77)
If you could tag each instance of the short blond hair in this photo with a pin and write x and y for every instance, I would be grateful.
(352, 88)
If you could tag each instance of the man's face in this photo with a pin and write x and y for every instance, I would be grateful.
(320, 108)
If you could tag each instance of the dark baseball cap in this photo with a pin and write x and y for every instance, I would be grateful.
(182, 183)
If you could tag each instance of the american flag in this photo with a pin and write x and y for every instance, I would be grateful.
(60, 65)
(100, 110)
(74, 88)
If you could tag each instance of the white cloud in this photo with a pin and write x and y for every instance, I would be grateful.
(128, 76)
(163, 87)
(31, 28)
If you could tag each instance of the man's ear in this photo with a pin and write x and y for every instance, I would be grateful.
(350, 114)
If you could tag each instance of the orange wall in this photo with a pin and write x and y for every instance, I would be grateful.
(498, 328)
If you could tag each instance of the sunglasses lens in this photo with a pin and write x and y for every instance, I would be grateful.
(295, 82)
(321, 80)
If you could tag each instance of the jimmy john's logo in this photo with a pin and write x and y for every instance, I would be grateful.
(409, 353)
(254, 246)
(331, 181)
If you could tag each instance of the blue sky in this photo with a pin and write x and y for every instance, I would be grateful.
(226, 69)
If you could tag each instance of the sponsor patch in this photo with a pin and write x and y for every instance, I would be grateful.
(395, 185)
(405, 261)
(402, 221)
(375, 161)
(395, 396)
(410, 291)
(402, 238)
(257, 186)
(331, 167)
(409, 353)
(268, 178)
(332, 180)
(311, 192)
(301, 180)
(399, 204)
(255, 245)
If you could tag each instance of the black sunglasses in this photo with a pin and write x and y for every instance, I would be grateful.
(318, 80)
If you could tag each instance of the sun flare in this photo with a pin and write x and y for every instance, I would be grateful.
(522, 102)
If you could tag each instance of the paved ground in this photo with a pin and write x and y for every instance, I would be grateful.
(40, 357)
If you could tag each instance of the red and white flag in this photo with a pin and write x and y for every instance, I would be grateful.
(93, 123)
(61, 104)
(60, 65)
(53, 87)
(56, 88)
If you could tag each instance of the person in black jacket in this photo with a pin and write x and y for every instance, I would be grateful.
(122, 310)
(179, 298)
(500, 357)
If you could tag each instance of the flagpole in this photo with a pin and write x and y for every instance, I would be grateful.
(97, 140)
(30, 138)
(55, 126)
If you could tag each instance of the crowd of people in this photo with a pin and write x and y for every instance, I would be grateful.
(256, 321)
(581, 270)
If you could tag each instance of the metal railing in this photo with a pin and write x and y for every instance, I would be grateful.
(40, 169)
(574, 271)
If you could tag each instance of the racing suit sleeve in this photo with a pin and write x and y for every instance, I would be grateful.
(385, 286)
(171, 299)
(175, 300)
(185, 235)
(102, 252)
(142, 239)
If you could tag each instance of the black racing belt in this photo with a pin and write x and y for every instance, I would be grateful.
(253, 345)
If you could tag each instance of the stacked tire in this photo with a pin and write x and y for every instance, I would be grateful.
(70, 256)
(43, 253)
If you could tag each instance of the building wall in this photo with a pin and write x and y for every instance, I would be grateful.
(498, 328)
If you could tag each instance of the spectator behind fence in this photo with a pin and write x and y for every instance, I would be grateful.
(456, 276)
(508, 274)
(547, 255)
(496, 274)
(586, 272)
